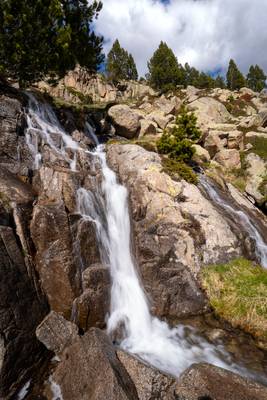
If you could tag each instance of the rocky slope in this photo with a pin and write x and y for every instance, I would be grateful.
(52, 279)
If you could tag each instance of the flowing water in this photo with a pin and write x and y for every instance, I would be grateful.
(43, 126)
(130, 321)
(237, 215)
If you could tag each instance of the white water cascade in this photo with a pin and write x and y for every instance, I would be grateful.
(43, 125)
(130, 321)
(241, 216)
(170, 350)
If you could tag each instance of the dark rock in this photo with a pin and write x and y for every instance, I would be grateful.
(91, 308)
(90, 369)
(205, 381)
(20, 313)
(149, 382)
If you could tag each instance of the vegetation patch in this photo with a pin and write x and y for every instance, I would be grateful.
(178, 170)
(238, 293)
(177, 145)
(84, 98)
(259, 146)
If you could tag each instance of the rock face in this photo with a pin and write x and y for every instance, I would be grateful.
(96, 88)
(149, 382)
(21, 306)
(54, 258)
(90, 369)
(176, 229)
(126, 122)
(204, 381)
(56, 333)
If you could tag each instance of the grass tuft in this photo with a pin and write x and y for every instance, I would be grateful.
(238, 293)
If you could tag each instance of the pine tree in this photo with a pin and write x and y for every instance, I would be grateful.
(40, 38)
(235, 79)
(256, 78)
(219, 82)
(120, 64)
(165, 73)
(132, 73)
(177, 143)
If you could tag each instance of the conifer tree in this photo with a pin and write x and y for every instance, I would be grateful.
(177, 143)
(256, 78)
(235, 79)
(219, 82)
(40, 38)
(165, 73)
(120, 64)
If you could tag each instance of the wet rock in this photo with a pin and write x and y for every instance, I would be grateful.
(56, 333)
(204, 381)
(51, 235)
(90, 369)
(125, 120)
(149, 382)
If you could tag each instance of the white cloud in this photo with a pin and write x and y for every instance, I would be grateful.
(205, 33)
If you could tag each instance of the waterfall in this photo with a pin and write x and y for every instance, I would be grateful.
(238, 215)
(130, 322)
(43, 126)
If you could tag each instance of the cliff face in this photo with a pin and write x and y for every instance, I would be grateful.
(50, 264)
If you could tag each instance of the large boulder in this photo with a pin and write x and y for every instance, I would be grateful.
(209, 110)
(228, 158)
(125, 120)
(160, 118)
(89, 369)
(257, 171)
(92, 306)
(207, 382)
(201, 155)
(148, 128)
(176, 230)
(149, 382)
(56, 333)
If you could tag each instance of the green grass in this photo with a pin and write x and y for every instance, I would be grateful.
(178, 170)
(259, 146)
(238, 293)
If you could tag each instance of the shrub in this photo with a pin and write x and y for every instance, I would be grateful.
(178, 170)
(177, 145)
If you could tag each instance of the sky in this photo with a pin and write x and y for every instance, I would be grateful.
(204, 33)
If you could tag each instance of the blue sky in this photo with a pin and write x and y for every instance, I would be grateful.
(205, 33)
